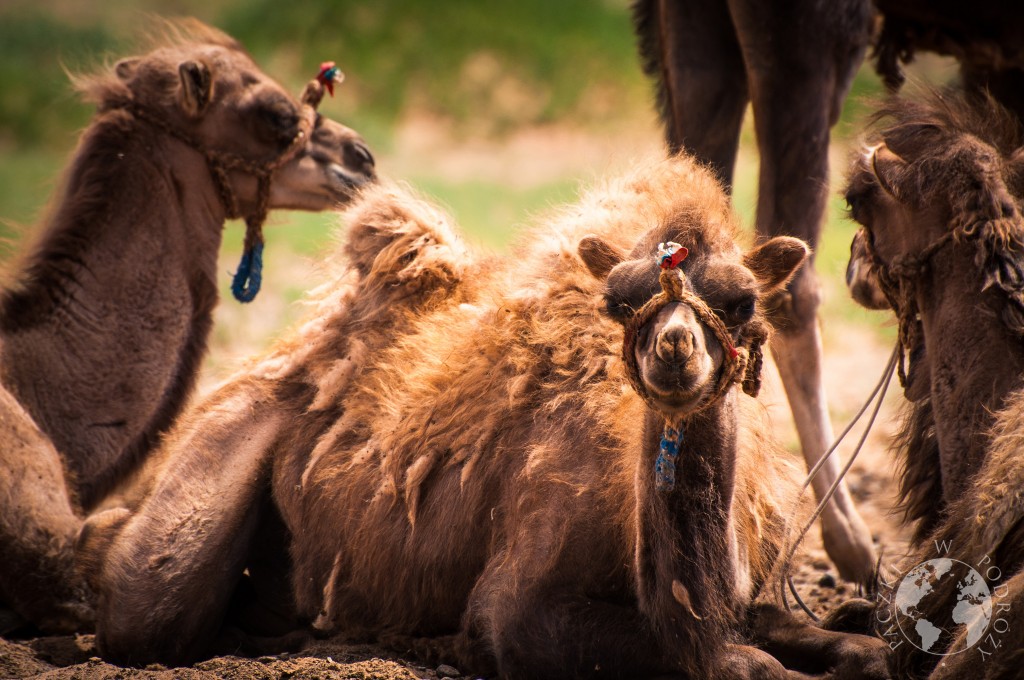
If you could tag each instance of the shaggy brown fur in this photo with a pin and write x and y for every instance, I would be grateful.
(459, 456)
(953, 163)
(107, 315)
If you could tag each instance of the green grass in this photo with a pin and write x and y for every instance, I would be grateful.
(27, 180)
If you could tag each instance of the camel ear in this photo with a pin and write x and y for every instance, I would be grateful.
(126, 67)
(599, 255)
(195, 86)
(887, 168)
(774, 262)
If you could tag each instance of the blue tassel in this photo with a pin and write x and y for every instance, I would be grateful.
(668, 451)
(249, 276)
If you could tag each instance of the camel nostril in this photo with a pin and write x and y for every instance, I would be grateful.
(675, 345)
(358, 157)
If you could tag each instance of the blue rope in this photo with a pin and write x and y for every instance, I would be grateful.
(249, 275)
(665, 465)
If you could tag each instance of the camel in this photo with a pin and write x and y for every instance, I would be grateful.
(938, 196)
(107, 314)
(536, 466)
(794, 62)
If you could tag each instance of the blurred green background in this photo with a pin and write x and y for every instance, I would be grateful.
(496, 109)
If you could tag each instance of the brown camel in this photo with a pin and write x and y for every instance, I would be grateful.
(794, 62)
(106, 319)
(470, 458)
(939, 197)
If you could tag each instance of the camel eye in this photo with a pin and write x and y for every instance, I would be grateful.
(739, 311)
(858, 199)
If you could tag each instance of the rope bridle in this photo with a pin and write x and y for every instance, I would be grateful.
(898, 281)
(248, 277)
(741, 363)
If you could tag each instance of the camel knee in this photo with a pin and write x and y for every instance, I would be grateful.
(94, 540)
(741, 662)
(795, 309)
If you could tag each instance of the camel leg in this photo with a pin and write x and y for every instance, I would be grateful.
(806, 648)
(801, 58)
(705, 87)
(38, 526)
(165, 573)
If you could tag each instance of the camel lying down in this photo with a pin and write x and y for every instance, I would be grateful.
(460, 455)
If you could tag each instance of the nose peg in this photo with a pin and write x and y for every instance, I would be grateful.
(675, 345)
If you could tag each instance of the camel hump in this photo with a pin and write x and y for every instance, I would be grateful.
(398, 238)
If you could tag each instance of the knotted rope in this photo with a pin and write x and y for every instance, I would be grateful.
(898, 281)
(741, 363)
(247, 279)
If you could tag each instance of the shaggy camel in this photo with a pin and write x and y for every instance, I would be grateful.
(794, 62)
(470, 457)
(107, 317)
(939, 198)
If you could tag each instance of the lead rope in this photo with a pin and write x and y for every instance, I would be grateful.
(880, 390)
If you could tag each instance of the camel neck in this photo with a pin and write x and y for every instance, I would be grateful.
(684, 534)
(974, 362)
(103, 334)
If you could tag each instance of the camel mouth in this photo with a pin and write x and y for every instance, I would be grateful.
(344, 181)
(676, 389)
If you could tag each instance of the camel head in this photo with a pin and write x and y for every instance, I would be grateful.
(681, 347)
(937, 197)
(203, 88)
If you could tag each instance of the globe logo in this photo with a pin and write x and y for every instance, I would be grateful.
(927, 588)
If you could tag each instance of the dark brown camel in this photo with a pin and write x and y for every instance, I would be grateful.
(106, 319)
(794, 62)
(463, 461)
(939, 198)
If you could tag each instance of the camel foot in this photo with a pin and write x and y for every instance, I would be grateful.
(853, 616)
(849, 546)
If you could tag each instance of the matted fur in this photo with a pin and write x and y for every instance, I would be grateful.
(459, 457)
(487, 416)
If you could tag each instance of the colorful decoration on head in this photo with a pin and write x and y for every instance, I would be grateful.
(671, 254)
(329, 75)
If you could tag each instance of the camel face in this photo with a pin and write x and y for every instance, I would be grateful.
(678, 357)
(680, 350)
(218, 97)
(862, 275)
(896, 222)
(325, 172)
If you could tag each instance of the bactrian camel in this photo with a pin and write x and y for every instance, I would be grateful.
(106, 315)
(539, 464)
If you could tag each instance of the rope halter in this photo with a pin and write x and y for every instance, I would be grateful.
(741, 363)
(898, 279)
(247, 279)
